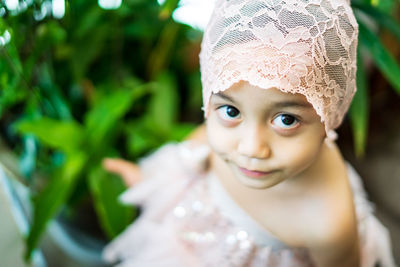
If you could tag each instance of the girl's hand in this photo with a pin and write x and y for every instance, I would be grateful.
(129, 171)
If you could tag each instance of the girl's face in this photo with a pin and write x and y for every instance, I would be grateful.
(264, 136)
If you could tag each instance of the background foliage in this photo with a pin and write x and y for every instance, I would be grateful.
(92, 84)
(99, 83)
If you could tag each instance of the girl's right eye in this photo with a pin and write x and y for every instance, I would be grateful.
(228, 112)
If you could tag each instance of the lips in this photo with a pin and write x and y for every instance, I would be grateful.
(254, 173)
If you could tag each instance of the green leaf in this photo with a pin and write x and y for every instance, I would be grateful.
(167, 8)
(381, 18)
(64, 135)
(164, 104)
(384, 5)
(181, 131)
(195, 91)
(10, 72)
(159, 58)
(10, 47)
(85, 52)
(359, 110)
(50, 200)
(10, 93)
(141, 137)
(88, 38)
(92, 18)
(52, 92)
(106, 113)
(114, 217)
(383, 59)
(51, 33)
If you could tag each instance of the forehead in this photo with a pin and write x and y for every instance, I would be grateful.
(243, 92)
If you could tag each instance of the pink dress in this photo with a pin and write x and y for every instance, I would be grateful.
(189, 220)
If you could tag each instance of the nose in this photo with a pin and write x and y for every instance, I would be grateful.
(253, 143)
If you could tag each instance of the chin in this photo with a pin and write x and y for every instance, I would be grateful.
(258, 183)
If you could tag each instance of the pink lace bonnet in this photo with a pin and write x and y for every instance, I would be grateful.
(298, 46)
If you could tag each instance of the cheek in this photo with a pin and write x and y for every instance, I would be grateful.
(298, 154)
(221, 139)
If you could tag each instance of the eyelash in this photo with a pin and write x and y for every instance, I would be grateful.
(223, 110)
(296, 121)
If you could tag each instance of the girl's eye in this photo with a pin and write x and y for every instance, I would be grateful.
(285, 121)
(228, 112)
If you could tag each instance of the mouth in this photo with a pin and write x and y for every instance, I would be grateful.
(254, 173)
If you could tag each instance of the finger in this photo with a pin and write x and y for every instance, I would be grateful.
(129, 172)
(131, 178)
(119, 166)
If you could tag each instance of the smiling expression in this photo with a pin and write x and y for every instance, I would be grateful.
(263, 136)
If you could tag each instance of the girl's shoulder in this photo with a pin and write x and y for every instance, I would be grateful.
(330, 230)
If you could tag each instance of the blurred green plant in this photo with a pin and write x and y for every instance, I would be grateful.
(379, 15)
(93, 84)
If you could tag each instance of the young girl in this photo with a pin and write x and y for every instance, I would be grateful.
(267, 186)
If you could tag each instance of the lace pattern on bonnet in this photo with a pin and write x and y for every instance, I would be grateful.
(298, 46)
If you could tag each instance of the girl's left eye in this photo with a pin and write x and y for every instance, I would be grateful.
(285, 121)
(228, 112)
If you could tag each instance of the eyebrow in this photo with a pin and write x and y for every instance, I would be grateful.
(287, 104)
(224, 96)
(283, 104)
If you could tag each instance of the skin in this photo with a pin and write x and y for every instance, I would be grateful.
(292, 182)
(257, 139)
(129, 172)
